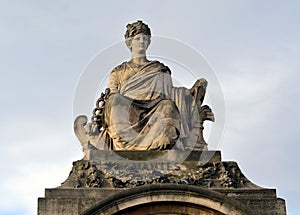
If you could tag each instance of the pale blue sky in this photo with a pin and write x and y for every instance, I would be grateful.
(253, 47)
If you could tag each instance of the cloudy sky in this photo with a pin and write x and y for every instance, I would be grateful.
(253, 47)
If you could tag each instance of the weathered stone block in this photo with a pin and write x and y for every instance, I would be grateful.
(114, 176)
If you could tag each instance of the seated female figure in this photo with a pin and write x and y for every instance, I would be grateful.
(139, 113)
(143, 110)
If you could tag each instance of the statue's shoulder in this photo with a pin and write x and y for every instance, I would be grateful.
(119, 68)
(163, 67)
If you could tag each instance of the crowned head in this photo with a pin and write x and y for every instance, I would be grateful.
(134, 29)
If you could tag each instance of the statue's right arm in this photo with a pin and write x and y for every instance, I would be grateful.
(116, 77)
(113, 83)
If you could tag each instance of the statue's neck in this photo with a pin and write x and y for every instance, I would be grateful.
(139, 60)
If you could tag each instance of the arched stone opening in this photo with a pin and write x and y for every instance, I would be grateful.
(170, 208)
(168, 199)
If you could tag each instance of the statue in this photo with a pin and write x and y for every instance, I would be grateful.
(141, 109)
(145, 152)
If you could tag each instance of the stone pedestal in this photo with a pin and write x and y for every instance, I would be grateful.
(140, 182)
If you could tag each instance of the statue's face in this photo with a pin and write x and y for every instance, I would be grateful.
(140, 43)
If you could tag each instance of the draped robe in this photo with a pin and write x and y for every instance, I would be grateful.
(144, 110)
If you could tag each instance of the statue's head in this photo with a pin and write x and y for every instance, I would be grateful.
(134, 29)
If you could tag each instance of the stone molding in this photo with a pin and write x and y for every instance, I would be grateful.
(214, 201)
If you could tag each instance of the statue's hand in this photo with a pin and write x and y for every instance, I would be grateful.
(94, 129)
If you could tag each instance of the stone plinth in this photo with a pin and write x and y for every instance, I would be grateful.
(61, 201)
(197, 180)
(154, 156)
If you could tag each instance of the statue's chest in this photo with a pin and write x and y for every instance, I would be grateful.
(126, 75)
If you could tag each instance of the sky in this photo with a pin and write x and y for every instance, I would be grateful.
(45, 46)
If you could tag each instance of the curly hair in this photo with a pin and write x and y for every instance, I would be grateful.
(134, 29)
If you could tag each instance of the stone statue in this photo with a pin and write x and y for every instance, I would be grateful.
(160, 163)
(141, 109)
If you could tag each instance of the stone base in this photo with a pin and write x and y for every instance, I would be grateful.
(198, 180)
(200, 157)
(59, 201)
